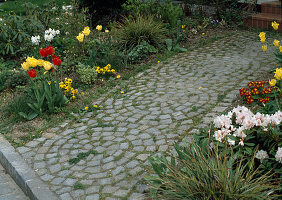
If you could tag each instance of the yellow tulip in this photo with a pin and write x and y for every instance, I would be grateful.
(264, 48)
(47, 65)
(99, 27)
(262, 34)
(25, 66)
(80, 37)
(276, 43)
(86, 31)
(106, 31)
(280, 48)
(275, 25)
(32, 61)
(272, 82)
(278, 74)
(40, 62)
(262, 39)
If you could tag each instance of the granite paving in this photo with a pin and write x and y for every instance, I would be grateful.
(164, 105)
(9, 190)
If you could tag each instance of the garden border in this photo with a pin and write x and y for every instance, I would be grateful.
(22, 174)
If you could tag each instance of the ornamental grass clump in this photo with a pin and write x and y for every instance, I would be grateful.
(131, 31)
(198, 172)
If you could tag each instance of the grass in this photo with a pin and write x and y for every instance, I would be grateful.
(78, 186)
(81, 156)
(17, 5)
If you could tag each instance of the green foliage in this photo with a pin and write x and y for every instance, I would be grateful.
(197, 172)
(43, 96)
(227, 10)
(15, 34)
(87, 74)
(17, 5)
(132, 31)
(81, 156)
(12, 78)
(271, 107)
(164, 10)
(170, 13)
(17, 104)
(141, 52)
(78, 186)
(136, 7)
(174, 46)
(105, 51)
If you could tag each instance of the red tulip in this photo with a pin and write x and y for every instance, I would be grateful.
(56, 60)
(50, 50)
(43, 53)
(32, 73)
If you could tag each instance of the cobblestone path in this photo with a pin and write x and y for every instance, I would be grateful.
(9, 190)
(157, 109)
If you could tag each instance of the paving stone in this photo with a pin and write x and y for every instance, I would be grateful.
(108, 159)
(105, 181)
(109, 189)
(55, 168)
(132, 164)
(109, 165)
(118, 170)
(66, 196)
(92, 189)
(93, 197)
(69, 181)
(77, 193)
(143, 156)
(46, 177)
(23, 149)
(124, 146)
(98, 175)
(39, 165)
(57, 181)
(136, 196)
(121, 193)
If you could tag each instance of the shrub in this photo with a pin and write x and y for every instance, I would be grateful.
(87, 74)
(15, 33)
(9, 79)
(132, 31)
(170, 13)
(136, 7)
(198, 172)
(103, 51)
(164, 10)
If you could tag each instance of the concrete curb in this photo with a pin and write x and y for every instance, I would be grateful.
(22, 174)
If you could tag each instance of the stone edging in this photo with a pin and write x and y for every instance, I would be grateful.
(22, 174)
